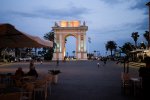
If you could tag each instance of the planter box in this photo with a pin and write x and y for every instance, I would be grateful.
(54, 74)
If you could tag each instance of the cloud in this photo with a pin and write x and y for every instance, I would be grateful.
(25, 14)
(143, 25)
(71, 13)
(112, 2)
(106, 19)
(139, 4)
(132, 4)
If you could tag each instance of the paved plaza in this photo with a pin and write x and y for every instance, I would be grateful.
(82, 80)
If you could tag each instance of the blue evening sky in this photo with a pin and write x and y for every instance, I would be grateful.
(106, 19)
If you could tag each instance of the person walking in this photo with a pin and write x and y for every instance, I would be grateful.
(57, 62)
(105, 60)
(98, 64)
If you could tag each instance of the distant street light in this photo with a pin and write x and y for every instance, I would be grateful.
(148, 4)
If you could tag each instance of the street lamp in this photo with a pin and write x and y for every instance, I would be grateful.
(148, 4)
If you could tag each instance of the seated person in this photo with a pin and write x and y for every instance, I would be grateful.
(19, 73)
(31, 64)
(32, 72)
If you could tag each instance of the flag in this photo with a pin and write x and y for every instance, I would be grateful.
(89, 39)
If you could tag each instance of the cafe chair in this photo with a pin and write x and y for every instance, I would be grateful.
(10, 96)
(27, 94)
(48, 78)
(18, 83)
(40, 89)
(137, 87)
(125, 82)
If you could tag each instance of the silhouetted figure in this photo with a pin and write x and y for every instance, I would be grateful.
(144, 73)
(19, 73)
(57, 62)
(41, 62)
(98, 64)
(65, 59)
(31, 66)
(105, 60)
(32, 72)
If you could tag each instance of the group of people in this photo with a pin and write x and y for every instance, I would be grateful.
(32, 71)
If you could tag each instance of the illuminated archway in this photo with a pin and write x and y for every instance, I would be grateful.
(70, 47)
(67, 28)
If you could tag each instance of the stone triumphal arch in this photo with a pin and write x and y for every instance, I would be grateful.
(62, 30)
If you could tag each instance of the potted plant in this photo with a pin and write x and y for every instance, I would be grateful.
(54, 74)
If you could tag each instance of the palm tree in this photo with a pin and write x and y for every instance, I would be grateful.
(94, 52)
(111, 45)
(127, 47)
(35, 50)
(142, 45)
(73, 53)
(146, 36)
(135, 37)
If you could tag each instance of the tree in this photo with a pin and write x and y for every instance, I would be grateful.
(48, 55)
(127, 47)
(17, 52)
(142, 45)
(111, 45)
(135, 37)
(94, 52)
(49, 36)
(28, 51)
(73, 53)
(146, 36)
(35, 50)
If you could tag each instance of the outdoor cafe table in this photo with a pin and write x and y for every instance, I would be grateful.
(28, 78)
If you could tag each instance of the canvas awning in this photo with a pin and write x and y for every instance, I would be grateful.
(12, 38)
(136, 51)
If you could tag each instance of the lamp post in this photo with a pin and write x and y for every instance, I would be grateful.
(148, 4)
